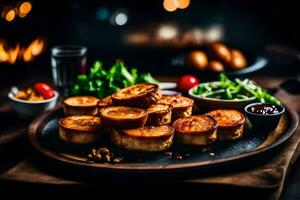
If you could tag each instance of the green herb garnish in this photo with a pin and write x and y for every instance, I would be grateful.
(101, 83)
(234, 89)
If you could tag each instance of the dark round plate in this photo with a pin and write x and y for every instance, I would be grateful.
(43, 134)
(257, 64)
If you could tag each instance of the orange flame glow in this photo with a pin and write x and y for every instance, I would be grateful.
(27, 54)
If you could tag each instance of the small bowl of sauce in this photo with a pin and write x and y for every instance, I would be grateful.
(264, 116)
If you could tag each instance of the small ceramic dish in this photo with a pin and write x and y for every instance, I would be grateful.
(206, 103)
(264, 116)
(29, 109)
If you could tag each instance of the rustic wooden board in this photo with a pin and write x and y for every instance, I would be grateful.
(12, 126)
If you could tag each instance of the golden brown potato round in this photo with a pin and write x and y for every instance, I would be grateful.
(220, 52)
(197, 59)
(215, 66)
(238, 60)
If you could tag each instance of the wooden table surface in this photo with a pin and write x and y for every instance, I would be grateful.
(292, 101)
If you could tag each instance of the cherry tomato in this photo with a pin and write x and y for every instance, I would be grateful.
(187, 82)
(43, 89)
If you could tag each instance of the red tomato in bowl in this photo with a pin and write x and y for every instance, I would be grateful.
(43, 89)
(187, 82)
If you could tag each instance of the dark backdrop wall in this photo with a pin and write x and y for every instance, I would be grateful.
(249, 24)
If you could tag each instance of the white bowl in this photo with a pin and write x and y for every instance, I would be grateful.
(28, 109)
(205, 103)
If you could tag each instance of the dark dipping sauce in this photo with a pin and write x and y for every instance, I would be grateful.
(264, 109)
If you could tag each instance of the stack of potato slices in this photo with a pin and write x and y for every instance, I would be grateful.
(139, 118)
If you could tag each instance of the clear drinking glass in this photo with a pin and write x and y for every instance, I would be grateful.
(67, 61)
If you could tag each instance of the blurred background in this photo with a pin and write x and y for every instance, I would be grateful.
(148, 35)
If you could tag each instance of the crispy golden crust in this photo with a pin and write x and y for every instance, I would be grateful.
(198, 139)
(159, 114)
(195, 130)
(123, 117)
(159, 107)
(148, 138)
(182, 106)
(81, 101)
(106, 102)
(80, 129)
(80, 105)
(140, 95)
(199, 124)
(227, 118)
(178, 102)
(230, 123)
(187, 112)
(83, 123)
(150, 131)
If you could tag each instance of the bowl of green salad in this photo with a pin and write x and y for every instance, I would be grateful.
(228, 93)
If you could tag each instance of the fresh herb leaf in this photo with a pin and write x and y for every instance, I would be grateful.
(101, 83)
(234, 89)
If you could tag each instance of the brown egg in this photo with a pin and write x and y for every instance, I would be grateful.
(197, 59)
(215, 66)
(220, 52)
(238, 60)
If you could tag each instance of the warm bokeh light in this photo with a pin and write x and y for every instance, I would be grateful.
(138, 38)
(25, 8)
(34, 49)
(170, 5)
(22, 15)
(21, 9)
(121, 19)
(193, 37)
(10, 15)
(214, 33)
(175, 35)
(198, 34)
(167, 32)
(182, 4)
(12, 54)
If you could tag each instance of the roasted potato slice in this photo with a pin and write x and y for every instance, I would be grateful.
(230, 123)
(139, 95)
(147, 138)
(195, 130)
(123, 117)
(159, 114)
(182, 106)
(80, 129)
(105, 102)
(81, 105)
